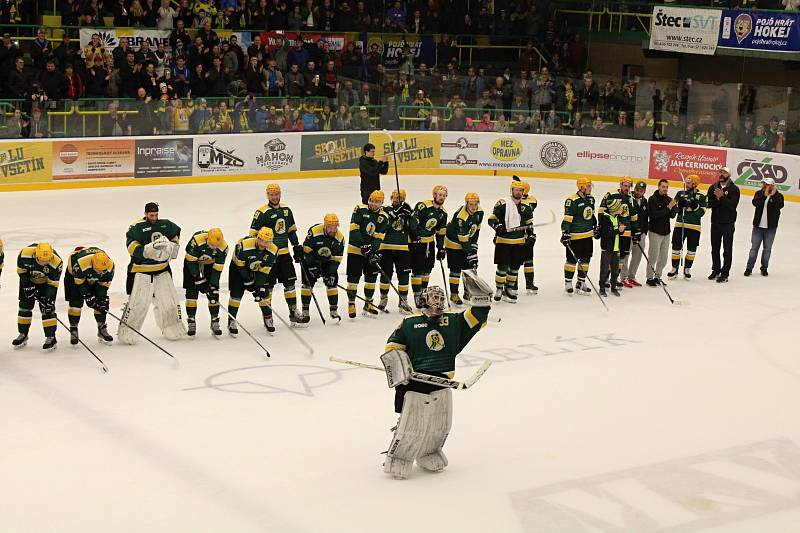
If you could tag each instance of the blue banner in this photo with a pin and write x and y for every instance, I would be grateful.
(754, 30)
(391, 47)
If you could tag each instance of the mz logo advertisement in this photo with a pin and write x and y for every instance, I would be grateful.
(211, 156)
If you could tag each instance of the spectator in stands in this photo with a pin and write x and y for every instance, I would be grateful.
(41, 50)
(673, 132)
(598, 127)
(690, 137)
(97, 78)
(295, 82)
(543, 91)
(330, 81)
(66, 52)
(622, 129)
(472, 87)
(37, 128)
(181, 117)
(327, 118)
(529, 58)
(342, 120)
(348, 95)
(74, 89)
(361, 120)
(534, 124)
(197, 82)
(552, 124)
(502, 125)
(578, 125)
(17, 125)
(144, 121)
(216, 79)
(114, 124)
(310, 119)
(521, 124)
(501, 93)
(275, 81)
(396, 17)
(760, 140)
(390, 119)
(485, 124)
(53, 81)
(120, 13)
(149, 80)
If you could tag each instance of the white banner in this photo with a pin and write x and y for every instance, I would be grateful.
(111, 37)
(749, 167)
(681, 29)
(487, 151)
(246, 154)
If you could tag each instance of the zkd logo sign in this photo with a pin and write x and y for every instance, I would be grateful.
(275, 156)
(553, 154)
(208, 155)
(461, 143)
(751, 173)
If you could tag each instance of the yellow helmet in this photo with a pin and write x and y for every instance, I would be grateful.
(101, 262)
(215, 238)
(583, 182)
(273, 188)
(330, 219)
(471, 196)
(265, 234)
(1, 245)
(44, 252)
(614, 206)
(401, 193)
(377, 196)
(526, 187)
(694, 179)
(437, 188)
(517, 184)
(626, 179)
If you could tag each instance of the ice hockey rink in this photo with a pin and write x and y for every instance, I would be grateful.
(649, 417)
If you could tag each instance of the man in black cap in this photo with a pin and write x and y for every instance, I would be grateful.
(723, 198)
(370, 170)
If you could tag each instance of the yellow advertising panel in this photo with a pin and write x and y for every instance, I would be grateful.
(413, 149)
(24, 162)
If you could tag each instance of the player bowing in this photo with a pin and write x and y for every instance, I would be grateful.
(323, 249)
(39, 269)
(253, 259)
(88, 278)
(395, 256)
(202, 268)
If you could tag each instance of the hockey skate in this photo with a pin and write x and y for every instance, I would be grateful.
(568, 287)
(531, 289)
(369, 309)
(233, 327)
(510, 295)
(295, 319)
(216, 331)
(418, 301)
(302, 319)
(269, 324)
(404, 308)
(687, 273)
(384, 301)
(49, 344)
(20, 341)
(191, 330)
(672, 273)
(103, 335)
(456, 300)
(351, 309)
(73, 335)
(334, 312)
(582, 289)
(498, 294)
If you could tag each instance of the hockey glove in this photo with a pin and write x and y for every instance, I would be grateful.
(331, 280)
(29, 291)
(47, 306)
(683, 202)
(249, 285)
(260, 293)
(212, 294)
(374, 258)
(565, 238)
(403, 210)
(312, 273)
(297, 249)
(98, 303)
(500, 228)
(480, 292)
(366, 249)
(441, 254)
(694, 204)
(530, 236)
(91, 301)
(201, 283)
(636, 237)
(596, 232)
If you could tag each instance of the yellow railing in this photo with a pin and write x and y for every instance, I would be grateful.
(619, 16)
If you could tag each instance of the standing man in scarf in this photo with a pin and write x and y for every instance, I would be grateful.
(508, 216)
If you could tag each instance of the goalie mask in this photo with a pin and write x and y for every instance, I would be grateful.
(434, 300)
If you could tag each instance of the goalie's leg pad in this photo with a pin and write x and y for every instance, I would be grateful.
(408, 436)
(167, 309)
(136, 309)
(430, 456)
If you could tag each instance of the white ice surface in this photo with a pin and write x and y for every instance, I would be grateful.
(648, 418)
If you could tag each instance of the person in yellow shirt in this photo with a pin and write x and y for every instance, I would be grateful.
(181, 117)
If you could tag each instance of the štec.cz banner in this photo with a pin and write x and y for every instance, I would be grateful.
(680, 29)
(752, 30)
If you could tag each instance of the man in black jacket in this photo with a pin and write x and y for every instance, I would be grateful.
(723, 198)
(660, 209)
(768, 202)
(370, 170)
(631, 263)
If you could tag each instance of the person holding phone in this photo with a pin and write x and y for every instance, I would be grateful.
(768, 203)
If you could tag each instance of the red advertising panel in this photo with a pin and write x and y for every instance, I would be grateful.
(673, 161)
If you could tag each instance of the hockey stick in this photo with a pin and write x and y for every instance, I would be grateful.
(105, 368)
(394, 159)
(311, 289)
(427, 378)
(142, 335)
(671, 299)
(587, 278)
(365, 300)
(297, 335)
(445, 282)
(231, 317)
(535, 225)
(403, 303)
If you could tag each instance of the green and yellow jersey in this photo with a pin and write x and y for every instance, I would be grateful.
(280, 220)
(322, 250)
(366, 227)
(428, 222)
(433, 344)
(579, 217)
(690, 217)
(499, 215)
(628, 216)
(200, 254)
(251, 262)
(396, 230)
(79, 266)
(31, 272)
(463, 230)
(141, 233)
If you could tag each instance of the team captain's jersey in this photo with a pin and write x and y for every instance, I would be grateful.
(79, 266)
(628, 216)
(281, 221)
(463, 230)
(366, 227)
(199, 253)
(433, 344)
(141, 233)
(251, 262)
(396, 230)
(31, 271)
(320, 249)
(579, 220)
(687, 217)
(428, 222)
(499, 215)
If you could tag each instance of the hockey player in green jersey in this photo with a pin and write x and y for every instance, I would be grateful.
(39, 269)
(692, 206)
(530, 241)
(461, 243)
(202, 267)
(509, 246)
(367, 231)
(395, 256)
(428, 343)
(428, 225)
(252, 260)
(2, 256)
(627, 217)
(577, 231)
(323, 249)
(152, 243)
(88, 278)
(279, 218)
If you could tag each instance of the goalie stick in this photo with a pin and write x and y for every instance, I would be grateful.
(427, 378)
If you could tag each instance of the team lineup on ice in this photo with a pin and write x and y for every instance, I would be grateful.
(606, 407)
